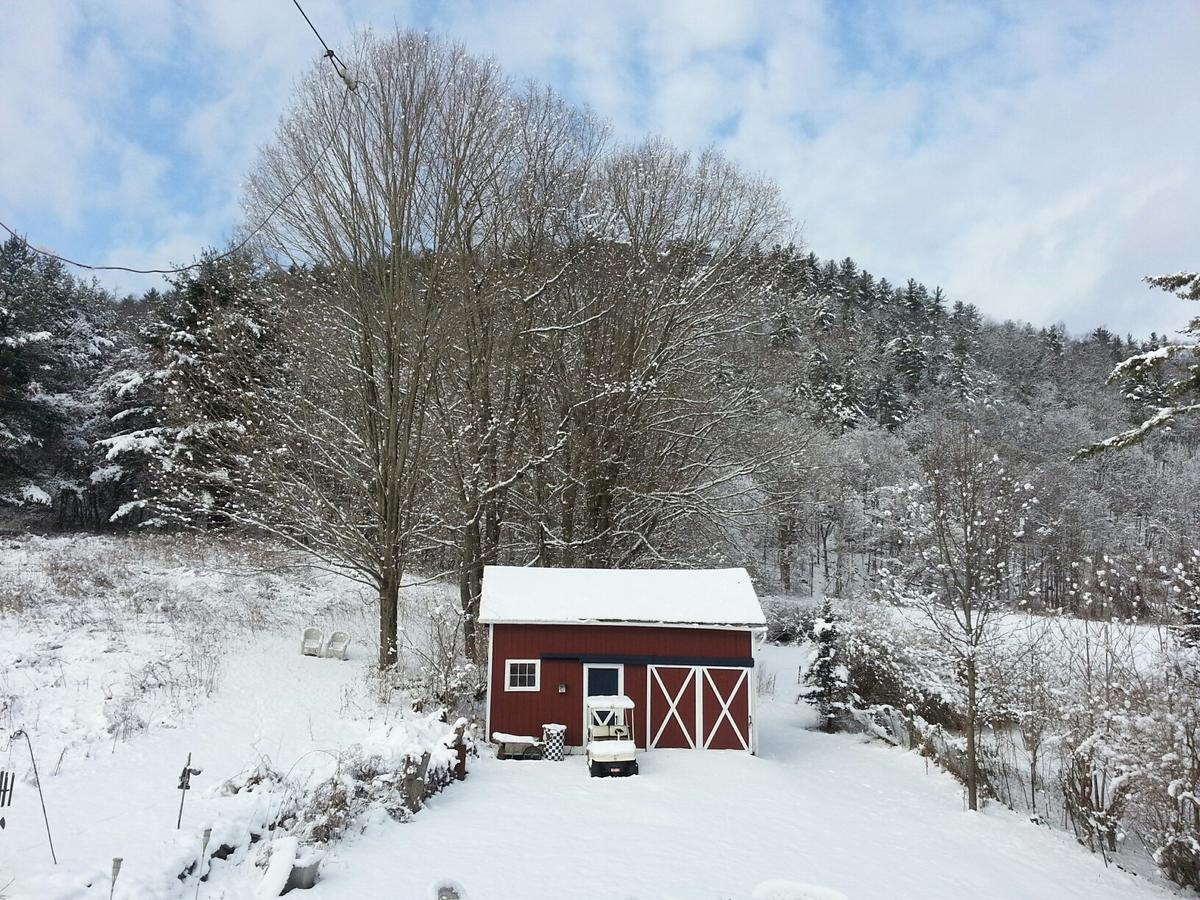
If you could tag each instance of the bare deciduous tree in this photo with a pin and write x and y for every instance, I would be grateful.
(385, 216)
(959, 526)
(643, 334)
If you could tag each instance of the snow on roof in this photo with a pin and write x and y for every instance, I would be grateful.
(536, 595)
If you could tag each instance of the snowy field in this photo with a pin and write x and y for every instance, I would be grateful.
(122, 657)
(836, 811)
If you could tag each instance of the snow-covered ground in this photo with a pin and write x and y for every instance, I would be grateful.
(121, 658)
(837, 811)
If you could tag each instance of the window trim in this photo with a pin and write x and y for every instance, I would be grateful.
(537, 675)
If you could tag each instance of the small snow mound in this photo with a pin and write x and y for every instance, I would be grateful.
(283, 857)
(793, 890)
(31, 493)
(446, 889)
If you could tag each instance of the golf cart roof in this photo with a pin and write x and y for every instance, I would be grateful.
(609, 701)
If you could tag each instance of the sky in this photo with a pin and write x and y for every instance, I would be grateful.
(1035, 159)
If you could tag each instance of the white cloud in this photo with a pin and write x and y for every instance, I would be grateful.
(1035, 159)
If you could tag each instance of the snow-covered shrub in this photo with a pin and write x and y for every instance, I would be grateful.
(81, 574)
(888, 663)
(1164, 796)
(18, 593)
(1095, 785)
(393, 769)
(123, 716)
(787, 620)
(433, 671)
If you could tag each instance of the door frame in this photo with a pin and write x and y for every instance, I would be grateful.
(620, 667)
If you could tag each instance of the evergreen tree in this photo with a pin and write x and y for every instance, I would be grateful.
(1165, 378)
(54, 334)
(825, 679)
(962, 352)
(204, 404)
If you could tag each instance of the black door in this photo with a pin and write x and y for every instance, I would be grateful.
(603, 682)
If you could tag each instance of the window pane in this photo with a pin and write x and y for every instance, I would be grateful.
(522, 674)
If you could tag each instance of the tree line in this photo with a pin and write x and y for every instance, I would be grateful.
(483, 330)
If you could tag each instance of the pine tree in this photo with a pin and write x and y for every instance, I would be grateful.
(963, 350)
(206, 400)
(1167, 376)
(825, 679)
(54, 334)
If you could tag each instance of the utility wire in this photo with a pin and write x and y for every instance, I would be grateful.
(334, 60)
(313, 27)
(230, 252)
(342, 72)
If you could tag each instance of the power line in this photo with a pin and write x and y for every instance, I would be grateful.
(337, 126)
(334, 60)
(313, 27)
(342, 72)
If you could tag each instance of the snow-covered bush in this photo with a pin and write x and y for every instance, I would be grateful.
(393, 769)
(889, 663)
(787, 620)
(1095, 784)
(1163, 741)
(434, 671)
(18, 592)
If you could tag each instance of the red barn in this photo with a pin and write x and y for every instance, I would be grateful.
(680, 643)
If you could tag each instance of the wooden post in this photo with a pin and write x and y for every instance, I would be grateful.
(460, 747)
(413, 785)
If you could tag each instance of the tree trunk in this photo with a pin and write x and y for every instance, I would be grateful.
(785, 553)
(470, 585)
(972, 759)
(567, 556)
(389, 619)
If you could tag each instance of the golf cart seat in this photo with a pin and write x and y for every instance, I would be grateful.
(610, 732)
(610, 751)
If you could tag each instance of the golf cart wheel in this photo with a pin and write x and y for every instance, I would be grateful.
(594, 770)
(633, 768)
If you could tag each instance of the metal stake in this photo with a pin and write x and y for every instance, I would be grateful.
(185, 785)
(200, 863)
(21, 732)
(116, 871)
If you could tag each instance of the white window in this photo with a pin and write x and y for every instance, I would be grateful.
(522, 674)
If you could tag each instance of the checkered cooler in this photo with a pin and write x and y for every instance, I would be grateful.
(553, 738)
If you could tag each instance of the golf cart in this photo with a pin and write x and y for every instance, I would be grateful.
(610, 745)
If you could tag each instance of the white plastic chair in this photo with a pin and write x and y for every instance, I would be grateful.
(339, 644)
(312, 641)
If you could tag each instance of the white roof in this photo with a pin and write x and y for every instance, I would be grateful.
(609, 701)
(711, 598)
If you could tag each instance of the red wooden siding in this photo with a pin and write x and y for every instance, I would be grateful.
(524, 712)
